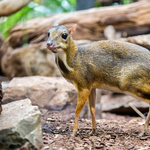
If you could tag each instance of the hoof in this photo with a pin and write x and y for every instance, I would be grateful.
(74, 133)
(141, 134)
(93, 132)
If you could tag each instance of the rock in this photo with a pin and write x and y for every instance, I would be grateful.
(1, 96)
(20, 125)
(28, 61)
(120, 103)
(49, 92)
(55, 93)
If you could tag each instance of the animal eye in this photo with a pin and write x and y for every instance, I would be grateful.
(48, 34)
(64, 36)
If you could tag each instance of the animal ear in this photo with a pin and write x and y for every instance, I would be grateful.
(72, 29)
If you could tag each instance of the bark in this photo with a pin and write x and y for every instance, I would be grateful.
(142, 40)
(8, 7)
(129, 20)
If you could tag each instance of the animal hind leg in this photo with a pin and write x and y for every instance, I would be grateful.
(144, 94)
(92, 98)
(142, 91)
(146, 124)
(146, 97)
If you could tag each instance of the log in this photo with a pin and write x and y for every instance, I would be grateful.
(8, 7)
(35, 59)
(142, 40)
(31, 60)
(130, 20)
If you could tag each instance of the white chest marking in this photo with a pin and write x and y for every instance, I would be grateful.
(63, 57)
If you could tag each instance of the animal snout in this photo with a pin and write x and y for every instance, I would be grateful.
(49, 43)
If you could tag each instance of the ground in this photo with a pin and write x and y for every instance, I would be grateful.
(114, 132)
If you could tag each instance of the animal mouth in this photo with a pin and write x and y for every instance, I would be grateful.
(52, 48)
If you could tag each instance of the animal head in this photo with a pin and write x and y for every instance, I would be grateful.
(59, 37)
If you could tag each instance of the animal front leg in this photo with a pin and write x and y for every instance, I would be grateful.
(82, 98)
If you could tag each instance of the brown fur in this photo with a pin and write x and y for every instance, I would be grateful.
(116, 66)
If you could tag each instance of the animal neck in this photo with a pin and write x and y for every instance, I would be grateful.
(71, 51)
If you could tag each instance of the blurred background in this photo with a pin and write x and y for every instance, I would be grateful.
(41, 8)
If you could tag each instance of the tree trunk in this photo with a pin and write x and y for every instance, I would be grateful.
(8, 7)
(129, 20)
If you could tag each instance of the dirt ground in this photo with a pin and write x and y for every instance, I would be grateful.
(114, 132)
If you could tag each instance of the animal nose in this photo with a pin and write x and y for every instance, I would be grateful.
(49, 43)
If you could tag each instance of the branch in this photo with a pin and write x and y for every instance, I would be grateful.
(129, 20)
(8, 7)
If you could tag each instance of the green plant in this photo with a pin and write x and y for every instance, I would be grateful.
(36, 8)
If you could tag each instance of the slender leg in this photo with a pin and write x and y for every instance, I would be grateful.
(92, 98)
(146, 123)
(99, 106)
(82, 98)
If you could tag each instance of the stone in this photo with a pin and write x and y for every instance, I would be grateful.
(55, 93)
(49, 92)
(20, 126)
(120, 103)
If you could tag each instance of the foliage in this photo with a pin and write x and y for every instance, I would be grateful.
(36, 8)
(128, 1)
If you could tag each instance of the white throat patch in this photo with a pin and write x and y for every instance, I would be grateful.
(63, 57)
